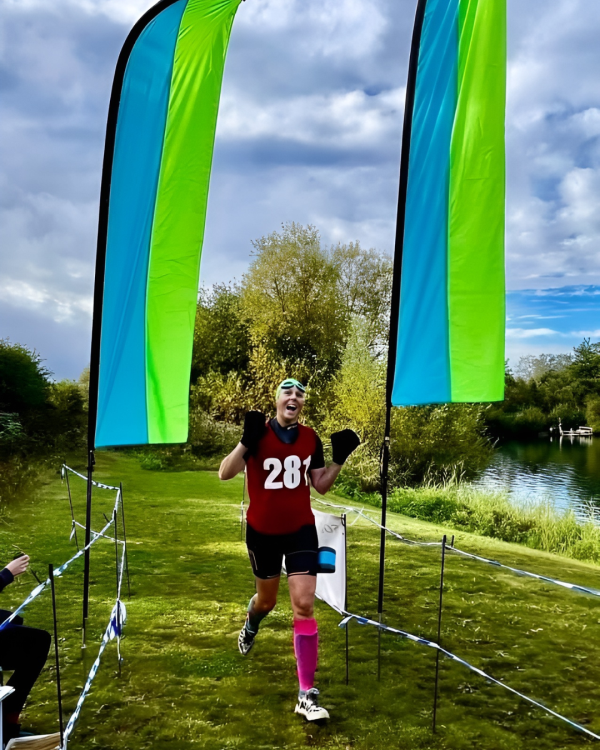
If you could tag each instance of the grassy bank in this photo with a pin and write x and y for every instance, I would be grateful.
(537, 525)
(184, 685)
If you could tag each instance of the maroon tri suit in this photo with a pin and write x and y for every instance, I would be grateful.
(278, 483)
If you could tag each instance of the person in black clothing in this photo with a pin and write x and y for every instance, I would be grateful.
(23, 650)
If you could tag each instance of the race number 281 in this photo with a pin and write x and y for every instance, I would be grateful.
(292, 475)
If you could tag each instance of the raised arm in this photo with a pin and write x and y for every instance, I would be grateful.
(232, 464)
(342, 444)
(254, 429)
(322, 479)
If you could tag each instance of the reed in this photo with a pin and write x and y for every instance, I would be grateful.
(538, 525)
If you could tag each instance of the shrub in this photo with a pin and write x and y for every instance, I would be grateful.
(592, 413)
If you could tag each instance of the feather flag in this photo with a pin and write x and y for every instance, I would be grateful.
(447, 340)
(157, 163)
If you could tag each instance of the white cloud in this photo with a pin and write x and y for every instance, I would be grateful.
(529, 333)
(59, 308)
(309, 131)
(336, 119)
(349, 27)
(122, 11)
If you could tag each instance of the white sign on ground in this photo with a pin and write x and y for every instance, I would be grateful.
(331, 587)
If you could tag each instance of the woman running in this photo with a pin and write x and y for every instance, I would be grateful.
(282, 459)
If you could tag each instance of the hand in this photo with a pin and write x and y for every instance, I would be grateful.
(342, 445)
(254, 429)
(19, 565)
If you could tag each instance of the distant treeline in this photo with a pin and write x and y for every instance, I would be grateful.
(40, 420)
(320, 314)
(547, 388)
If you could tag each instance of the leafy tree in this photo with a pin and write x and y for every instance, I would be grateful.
(365, 283)
(292, 299)
(356, 399)
(221, 334)
(84, 386)
(586, 368)
(592, 413)
(24, 381)
(532, 367)
(438, 443)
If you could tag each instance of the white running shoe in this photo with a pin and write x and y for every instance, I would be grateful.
(308, 706)
(245, 640)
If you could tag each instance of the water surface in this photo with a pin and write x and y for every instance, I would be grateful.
(564, 470)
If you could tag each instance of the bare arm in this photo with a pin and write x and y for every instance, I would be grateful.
(18, 566)
(234, 463)
(322, 479)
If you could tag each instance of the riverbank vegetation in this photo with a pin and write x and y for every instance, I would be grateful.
(545, 389)
(538, 525)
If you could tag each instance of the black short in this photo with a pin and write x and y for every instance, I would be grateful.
(266, 552)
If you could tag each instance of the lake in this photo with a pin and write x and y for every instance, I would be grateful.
(566, 470)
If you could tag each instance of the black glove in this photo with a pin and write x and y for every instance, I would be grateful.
(254, 429)
(342, 445)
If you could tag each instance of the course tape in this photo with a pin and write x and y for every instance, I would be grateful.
(424, 642)
(546, 579)
(101, 486)
(362, 514)
(517, 571)
(113, 630)
(99, 533)
(61, 569)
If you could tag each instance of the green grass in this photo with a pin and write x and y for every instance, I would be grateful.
(183, 684)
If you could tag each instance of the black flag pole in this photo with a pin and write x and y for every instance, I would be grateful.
(109, 149)
(395, 302)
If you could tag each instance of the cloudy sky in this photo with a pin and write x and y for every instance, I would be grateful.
(309, 131)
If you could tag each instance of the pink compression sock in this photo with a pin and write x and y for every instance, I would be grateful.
(306, 646)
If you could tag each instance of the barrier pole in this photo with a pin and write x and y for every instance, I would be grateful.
(88, 537)
(72, 511)
(439, 633)
(118, 602)
(60, 720)
(346, 595)
(125, 540)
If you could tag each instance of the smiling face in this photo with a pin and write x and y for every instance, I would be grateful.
(289, 405)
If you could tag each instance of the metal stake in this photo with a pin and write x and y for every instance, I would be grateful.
(439, 632)
(72, 512)
(60, 720)
(346, 596)
(88, 536)
(125, 540)
(118, 593)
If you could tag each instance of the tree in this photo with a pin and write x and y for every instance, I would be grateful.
(292, 299)
(586, 368)
(356, 400)
(365, 283)
(221, 334)
(533, 367)
(24, 381)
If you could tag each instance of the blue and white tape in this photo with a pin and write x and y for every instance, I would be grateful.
(362, 514)
(101, 486)
(424, 642)
(527, 573)
(113, 630)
